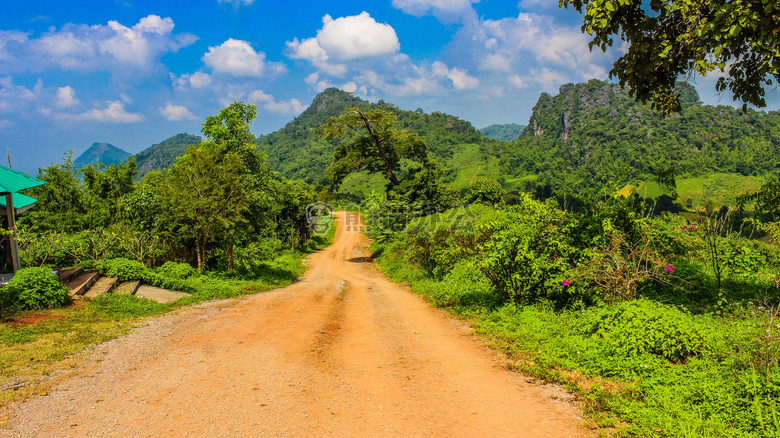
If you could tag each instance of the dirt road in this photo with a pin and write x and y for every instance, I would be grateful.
(343, 352)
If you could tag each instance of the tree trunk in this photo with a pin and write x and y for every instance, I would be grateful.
(229, 251)
(201, 252)
(200, 260)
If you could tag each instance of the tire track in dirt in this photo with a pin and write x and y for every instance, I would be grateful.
(343, 352)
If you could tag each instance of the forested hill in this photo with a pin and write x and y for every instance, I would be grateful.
(593, 132)
(296, 152)
(163, 155)
(101, 153)
(507, 132)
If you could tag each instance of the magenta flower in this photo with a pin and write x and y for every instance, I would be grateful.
(565, 283)
(669, 268)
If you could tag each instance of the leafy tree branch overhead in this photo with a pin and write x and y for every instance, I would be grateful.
(739, 39)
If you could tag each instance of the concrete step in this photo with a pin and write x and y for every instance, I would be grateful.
(67, 275)
(128, 288)
(103, 285)
(159, 295)
(79, 285)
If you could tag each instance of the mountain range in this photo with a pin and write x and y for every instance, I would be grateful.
(582, 138)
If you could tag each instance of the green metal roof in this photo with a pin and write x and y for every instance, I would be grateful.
(20, 201)
(12, 181)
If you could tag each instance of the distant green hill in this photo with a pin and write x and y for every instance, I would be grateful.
(594, 133)
(101, 153)
(163, 155)
(296, 152)
(508, 132)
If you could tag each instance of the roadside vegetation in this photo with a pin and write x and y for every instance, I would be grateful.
(217, 224)
(665, 326)
(661, 311)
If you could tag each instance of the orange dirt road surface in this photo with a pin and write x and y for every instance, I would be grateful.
(343, 352)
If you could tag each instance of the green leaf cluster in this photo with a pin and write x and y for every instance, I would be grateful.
(34, 289)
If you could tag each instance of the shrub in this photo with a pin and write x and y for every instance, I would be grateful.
(642, 326)
(181, 271)
(149, 276)
(466, 285)
(122, 269)
(486, 191)
(35, 289)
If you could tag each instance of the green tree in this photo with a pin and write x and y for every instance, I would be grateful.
(486, 191)
(369, 141)
(60, 203)
(674, 38)
(231, 127)
(422, 185)
(206, 195)
(104, 188)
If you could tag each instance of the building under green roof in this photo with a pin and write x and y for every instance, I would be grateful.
(11, 182)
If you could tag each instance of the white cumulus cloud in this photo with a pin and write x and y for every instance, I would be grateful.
(176, 113)
(66, 97)
(358, 36)
(238, 58)
(345, 39)
(195, 80)
(111, 47)
(460, 79)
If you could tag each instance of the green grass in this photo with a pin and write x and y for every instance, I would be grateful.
(360, 184)
(721, 188)
(467, 163)
(643, 368)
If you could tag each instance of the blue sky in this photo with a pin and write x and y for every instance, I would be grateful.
(135, 72)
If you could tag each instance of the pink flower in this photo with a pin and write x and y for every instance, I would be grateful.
(565, 283)
(669, 268)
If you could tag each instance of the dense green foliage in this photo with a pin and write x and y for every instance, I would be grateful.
(34, 289)
(219, 195)
(594, 133)
(664, 324)
(121, 269)
(507, 132)
(679, 38)
(485, 191)
(68, 203)
(162, 155)
(297, 153)
(369, 141)
(104, 153)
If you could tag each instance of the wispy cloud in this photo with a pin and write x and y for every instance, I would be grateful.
(114, 112)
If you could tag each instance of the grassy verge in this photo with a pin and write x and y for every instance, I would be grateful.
(642, 368)
(38, 348)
